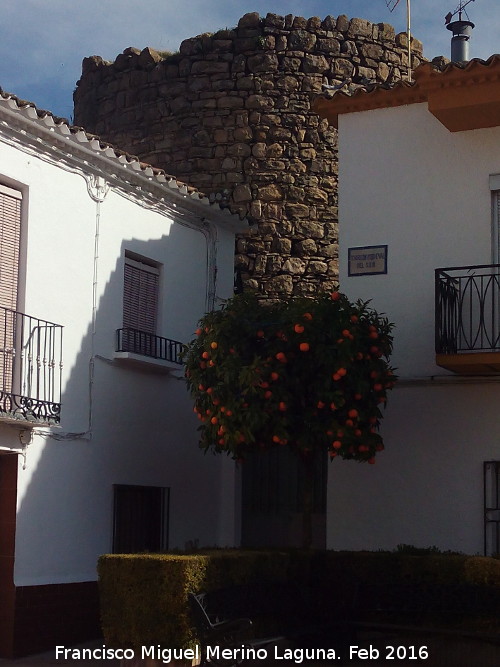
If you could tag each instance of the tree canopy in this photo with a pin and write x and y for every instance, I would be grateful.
(309, 374)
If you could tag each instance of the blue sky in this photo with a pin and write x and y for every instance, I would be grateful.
(42, 42)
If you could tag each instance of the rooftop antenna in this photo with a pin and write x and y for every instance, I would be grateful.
(461, 32)
(392, 4)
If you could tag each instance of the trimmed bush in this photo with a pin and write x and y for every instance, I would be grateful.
(144, 596)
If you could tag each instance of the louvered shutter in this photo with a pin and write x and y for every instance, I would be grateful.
(140, 296)
(496, 226)
(10, 232)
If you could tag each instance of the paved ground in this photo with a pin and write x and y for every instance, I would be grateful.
(371, 649)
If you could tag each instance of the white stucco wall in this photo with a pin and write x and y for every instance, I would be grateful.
(142, 424)
(407, 182)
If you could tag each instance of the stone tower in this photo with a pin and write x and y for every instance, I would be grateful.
(231, 115)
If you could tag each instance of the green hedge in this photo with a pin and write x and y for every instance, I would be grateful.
(144, 597)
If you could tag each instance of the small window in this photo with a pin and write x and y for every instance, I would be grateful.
(10, 231)
(140, 518)
(492, 508)
(140, 305)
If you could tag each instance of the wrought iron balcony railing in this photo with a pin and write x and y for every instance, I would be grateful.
(148, 345)
(30, 368)
(468, 309)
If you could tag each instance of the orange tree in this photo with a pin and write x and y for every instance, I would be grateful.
(309, 374)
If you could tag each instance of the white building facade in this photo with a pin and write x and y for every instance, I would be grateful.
(106, 267)
(419, 189)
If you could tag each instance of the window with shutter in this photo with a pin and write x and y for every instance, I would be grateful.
(10, 231)
(140, 305)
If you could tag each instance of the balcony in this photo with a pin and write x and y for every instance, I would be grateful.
(468, 319)
(30, 369)
(148, 350)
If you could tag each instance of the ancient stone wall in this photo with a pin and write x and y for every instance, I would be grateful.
(231, 115)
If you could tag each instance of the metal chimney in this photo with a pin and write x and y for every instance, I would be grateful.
(460, 40)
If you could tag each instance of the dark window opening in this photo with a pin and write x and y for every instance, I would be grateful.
(491, 508)
(140, 518)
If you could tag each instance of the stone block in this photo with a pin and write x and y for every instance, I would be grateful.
(239, 150)
(274, 21)
(242, 193)
(305, 248)
(290, 64)
(242, 134)
(263, 62)
(259, 150)
(249, 20)
(360, 28)
(301, 40)
(314, 63)
(230, 102)
(278, 285)
(259, 102)
(342, 68)
(270, 192)
(297, 211)
(342, 23)
(316, 267)
(328, 45)
(310, 229)
(209, 67)
(294, 265)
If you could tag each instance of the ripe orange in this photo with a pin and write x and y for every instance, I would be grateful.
(214, 420)
(336, 444)
(268, 394)
(354, 319)
(281, 356)
(307, 316)
(214, 345)
(335, 296)
(282, 406)
(298, 328)
(205, 355)
(274, 376)
(198, 332)
(353, 413)
(304, 347)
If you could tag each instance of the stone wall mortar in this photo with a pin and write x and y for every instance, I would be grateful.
(231, 115)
